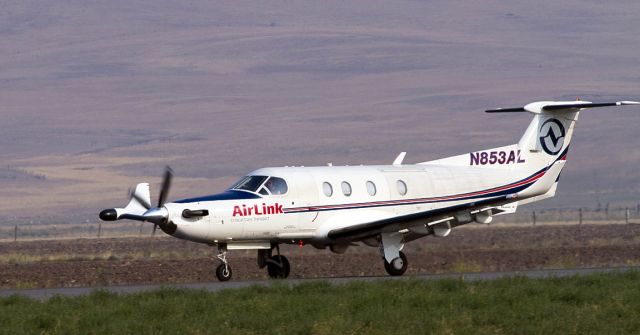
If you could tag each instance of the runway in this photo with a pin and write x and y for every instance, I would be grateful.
(45, 293)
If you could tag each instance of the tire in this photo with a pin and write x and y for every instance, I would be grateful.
(391, 270)
(276, 271)
(223, 273)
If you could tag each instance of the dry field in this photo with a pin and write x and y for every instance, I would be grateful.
(96, 97)
(117, 261)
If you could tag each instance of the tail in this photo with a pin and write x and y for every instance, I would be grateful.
(541, 153)
(545, 143)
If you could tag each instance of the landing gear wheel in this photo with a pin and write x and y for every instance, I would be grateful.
(223, 272)
(398, 265)
(278, 267)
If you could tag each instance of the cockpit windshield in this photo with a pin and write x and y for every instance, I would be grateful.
(249, 183)
(272, 186)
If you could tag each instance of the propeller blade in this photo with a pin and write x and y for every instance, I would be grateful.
(155, 226)
(166, 185)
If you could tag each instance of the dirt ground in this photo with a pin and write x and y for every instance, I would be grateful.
(92, 262)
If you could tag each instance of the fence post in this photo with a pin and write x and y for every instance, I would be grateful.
(626, 215)
(534, 218)
(15, 233)
(580, 216)
(99, 229)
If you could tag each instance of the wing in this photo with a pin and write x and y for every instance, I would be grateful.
(399, 223)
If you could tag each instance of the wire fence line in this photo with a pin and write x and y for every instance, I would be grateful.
(578, 216)
(566, 216)
(22, 232)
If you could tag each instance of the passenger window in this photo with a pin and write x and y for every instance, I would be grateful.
(327, 189)
(346, 188)
(277, 186)
(402, 187)
(371, 188)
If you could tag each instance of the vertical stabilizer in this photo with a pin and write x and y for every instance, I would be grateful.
(545, 143)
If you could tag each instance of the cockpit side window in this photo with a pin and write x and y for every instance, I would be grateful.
(240, 181)
(249, 183)
(277, 186)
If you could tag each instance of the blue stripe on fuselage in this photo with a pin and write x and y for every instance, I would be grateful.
(226, 195)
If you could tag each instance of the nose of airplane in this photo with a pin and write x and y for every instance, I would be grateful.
(157, 215)
(160, 217)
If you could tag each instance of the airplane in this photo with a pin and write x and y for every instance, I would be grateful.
(382, 206)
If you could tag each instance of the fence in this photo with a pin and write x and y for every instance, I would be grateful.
(16, 232)
(19, 232)
(624, 215)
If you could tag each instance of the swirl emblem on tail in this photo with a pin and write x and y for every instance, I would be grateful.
(552, 135)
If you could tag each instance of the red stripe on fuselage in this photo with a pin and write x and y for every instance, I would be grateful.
(531, 179)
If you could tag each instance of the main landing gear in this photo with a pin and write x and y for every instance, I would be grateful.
(277, 266)
(395, 261)
(398, 265)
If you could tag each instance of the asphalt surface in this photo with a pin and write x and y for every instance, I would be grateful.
(45, 293)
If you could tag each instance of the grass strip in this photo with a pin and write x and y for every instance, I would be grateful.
(591, 304)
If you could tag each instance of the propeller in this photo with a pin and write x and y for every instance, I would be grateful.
(164, 193)
(159, 216)
(166, 185)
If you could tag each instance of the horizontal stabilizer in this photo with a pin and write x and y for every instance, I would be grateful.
(540, 106)
(506, 110)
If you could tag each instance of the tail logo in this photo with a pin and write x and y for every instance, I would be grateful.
(552, 136)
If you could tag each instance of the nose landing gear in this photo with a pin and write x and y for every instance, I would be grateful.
(223, 271)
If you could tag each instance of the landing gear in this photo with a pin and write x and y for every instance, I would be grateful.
(398, 265)
(223, 271)
(395, 261)
(277, 266)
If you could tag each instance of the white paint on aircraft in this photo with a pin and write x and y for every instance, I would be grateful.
(380, 205)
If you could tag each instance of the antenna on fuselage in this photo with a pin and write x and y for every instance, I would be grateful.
(399, 159)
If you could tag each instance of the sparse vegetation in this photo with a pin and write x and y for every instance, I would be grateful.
(462, 266)
(161, 259)
(19, 258)
(599, 303)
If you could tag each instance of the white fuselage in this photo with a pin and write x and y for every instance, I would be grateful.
(307, 213)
